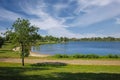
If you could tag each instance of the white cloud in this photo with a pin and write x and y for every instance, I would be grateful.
(60, 6)
(47, 23)
(84, 4)
(117, 20)
(55, 26)
(117, 35)
(58, 32)
(98, 14)
(96, 11)
(8, 15)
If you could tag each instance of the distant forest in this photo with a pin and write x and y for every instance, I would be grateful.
(62, 39)
(49, 38)
(100, 39)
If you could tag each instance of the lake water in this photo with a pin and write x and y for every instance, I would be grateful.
(82, 47)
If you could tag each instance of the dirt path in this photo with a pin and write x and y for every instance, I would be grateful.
(75, 62)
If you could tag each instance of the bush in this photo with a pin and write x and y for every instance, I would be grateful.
(92, 56)
(65, 56)
(58, 55)
(78, 56)
(112, 56)
(85, 56)
(61, 56)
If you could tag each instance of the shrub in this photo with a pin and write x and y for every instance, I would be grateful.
(78, 56)
(112, 56)
(91, 56)
(58, 55)
(61, 56)
(85, 56)
(65, 56)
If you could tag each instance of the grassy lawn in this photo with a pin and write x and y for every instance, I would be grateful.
(6, 51)
(59, 71)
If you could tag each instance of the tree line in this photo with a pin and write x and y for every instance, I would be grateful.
(50, 38)
(100, 39)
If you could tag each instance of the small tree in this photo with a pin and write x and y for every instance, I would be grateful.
(23, 34)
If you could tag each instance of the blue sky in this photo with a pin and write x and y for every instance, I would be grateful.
(67, 18)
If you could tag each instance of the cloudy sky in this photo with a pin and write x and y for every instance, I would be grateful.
(70, 18)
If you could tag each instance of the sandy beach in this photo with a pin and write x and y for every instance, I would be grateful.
(38, 54)
(35, 54)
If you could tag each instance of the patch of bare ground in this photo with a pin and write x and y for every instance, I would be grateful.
(73, 62)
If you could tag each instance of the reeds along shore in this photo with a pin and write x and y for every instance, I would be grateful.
(86, 56)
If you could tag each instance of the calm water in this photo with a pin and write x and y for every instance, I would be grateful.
(100, 48)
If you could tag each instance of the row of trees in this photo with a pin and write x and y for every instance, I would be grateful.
(100, 39)
(52, 38)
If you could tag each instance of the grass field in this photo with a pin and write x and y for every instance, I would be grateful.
(6, 51)
(59, 71)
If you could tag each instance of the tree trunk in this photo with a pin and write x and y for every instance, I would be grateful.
(22, 55)
(22, 60)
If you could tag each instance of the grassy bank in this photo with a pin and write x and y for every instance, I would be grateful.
(59, 71)
(6, 51)
(51, 42)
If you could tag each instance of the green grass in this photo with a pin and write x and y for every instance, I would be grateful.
(58, 71)
(6, 51)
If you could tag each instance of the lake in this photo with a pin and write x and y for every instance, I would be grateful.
(82, 47)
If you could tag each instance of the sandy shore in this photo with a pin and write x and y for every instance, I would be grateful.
(32, 53)
(38, 54)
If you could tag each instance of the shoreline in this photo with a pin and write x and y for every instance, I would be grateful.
(35, 54)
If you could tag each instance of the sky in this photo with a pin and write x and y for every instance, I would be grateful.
(65, 18)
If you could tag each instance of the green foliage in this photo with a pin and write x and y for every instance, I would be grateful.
(61, 56)
(78, 56)
(93, 56)
(41, 71)
(23, 35)
(6, 51)
(52, 38)
(113, 56)
(100, 39)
